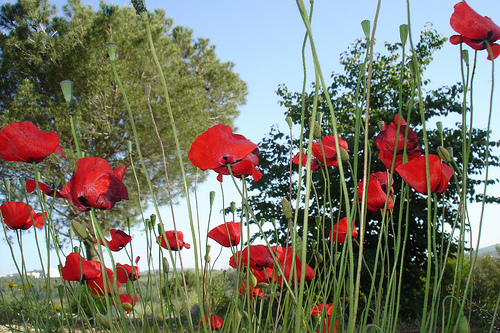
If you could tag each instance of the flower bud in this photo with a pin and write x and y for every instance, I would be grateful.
(207, 250)
(159, 318)
(444, 154)
(463, 325)
(127, 306)
(289, 121)
(152, 220)
(316, 130)
(344, 155)
(233, 207)
(104, 320)
(147, 90)
(130, 289)
(403, 33)
(79, 229)
(287, 208)
(465, 57)
(67, 89)
(129, 146)
(439, 126)
(23, 183)
(252, 281)
(111, 51)
(165, 265)
(365, 24)
(212, 197)
(7, 185)
(207, 258)
(237, 319)
(319, 257)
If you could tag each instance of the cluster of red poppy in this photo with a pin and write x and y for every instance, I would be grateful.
(90, 272)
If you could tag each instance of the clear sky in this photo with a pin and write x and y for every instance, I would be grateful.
(264, 40)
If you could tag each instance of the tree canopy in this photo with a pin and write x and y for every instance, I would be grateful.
(40, 49)
(328, 204)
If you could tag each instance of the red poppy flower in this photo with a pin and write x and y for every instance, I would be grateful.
(126, 272)
(330, 156)
(386, 142)
(339, 231)
(285, 257)
(95, 184)
(118, 240)
(174, 239)
(31, 186)
(260, 257)
(19, 215)
(326, 327)
(414, 174)
(24, 142)
(474, 29)
(316, 310)
(215, 322)
(252, 292)
(127, 302)
(377, 191)
(227, 234)
(218, 146)
(315, 165)
(76, 268)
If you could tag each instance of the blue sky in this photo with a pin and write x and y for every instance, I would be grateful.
(264, 40)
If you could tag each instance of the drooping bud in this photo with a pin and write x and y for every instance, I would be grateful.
(444, 154)
(252, 281)
(463, 325)
(79, 229)
(344, 155)
(103, 320)
(127, 306)
(366, 28)
(403, 33)
(287, 208)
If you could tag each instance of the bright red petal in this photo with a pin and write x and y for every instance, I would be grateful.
(470, 24)
(414, 173)
(227, 234)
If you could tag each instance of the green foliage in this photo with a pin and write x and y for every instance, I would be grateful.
(327, 207)
(40, 49)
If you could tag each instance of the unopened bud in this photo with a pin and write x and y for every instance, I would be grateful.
(7, 185)
(159, 317)
(130, 289)
(465, 57)
(104, 320)
(463, 325)
(152, 220)
(412, 66)
(207, 250)
(289, 121)
(127, 306)
(344, 155)
(252, 281)
(23, 183)
(233, 207)
(319, 257)
(403, 33)
(316, 129)
(237, 319)
(366, 28)
(147, 90)
(79, 229)
(444, 154)
(439, 126)
(67, 89)
(111, 51)
(129, 146)
(287, 208)
(212, 197)
(263, 285)
(207, 258)
(165, 265)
